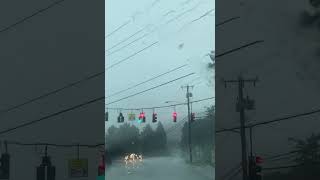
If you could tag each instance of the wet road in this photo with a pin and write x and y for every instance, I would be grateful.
(165, 168)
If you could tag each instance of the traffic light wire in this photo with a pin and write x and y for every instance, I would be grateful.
(159, 107)
(150, 88)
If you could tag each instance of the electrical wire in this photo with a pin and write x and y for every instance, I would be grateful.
(55, 145)
(51, 92)
(150, 88)
(132, 55)
(32, 15)
(272, 121)
(239, 48)
(153, 78)
(117, 29)
(226, 21)
(125, 39)
(183, 13)
(51, 115)
(159, 107)
(117, 50)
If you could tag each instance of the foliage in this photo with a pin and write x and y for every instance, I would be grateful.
(128, 139)
(202, 131)
(307, 157)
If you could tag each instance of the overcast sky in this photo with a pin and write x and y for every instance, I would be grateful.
(159, 17)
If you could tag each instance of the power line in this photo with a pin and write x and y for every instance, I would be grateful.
(286, 118)
(32, 15)
(132, 55)
(51, 92)
(117, 29)
(281, 155)
(226, 21)
(158, 107)
(51, 115)
(55, 145)
(272, 121)
(282, 167)
(147, 80)
(125, 39)
(183, 13)
(127, 44)
(204, 15)
(150, 89)
(239, 48)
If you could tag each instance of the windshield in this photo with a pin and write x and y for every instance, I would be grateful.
(160, 89)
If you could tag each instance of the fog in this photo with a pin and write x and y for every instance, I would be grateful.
(161, 168)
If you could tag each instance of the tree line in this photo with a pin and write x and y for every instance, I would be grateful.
(202, 137)
(127, 138)
(306, 161)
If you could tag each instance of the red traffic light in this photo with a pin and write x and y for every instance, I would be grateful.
(259, 160)
(174, 114)
(141, 115)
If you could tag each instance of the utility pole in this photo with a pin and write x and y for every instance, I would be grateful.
(242, 105)
(189, 119)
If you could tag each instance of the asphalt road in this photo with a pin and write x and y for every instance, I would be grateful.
(164, 168)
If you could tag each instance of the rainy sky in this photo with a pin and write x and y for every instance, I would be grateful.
(174, 33)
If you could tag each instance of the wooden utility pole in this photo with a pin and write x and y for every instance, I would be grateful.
(189, 120)
(242, 105)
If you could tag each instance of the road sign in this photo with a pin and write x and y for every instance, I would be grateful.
(78, 167)
(131, 116)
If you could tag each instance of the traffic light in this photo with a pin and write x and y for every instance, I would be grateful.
(258, 168)
(193, 117)
(142, 117)
(101, 167)
(174, 116)
(107, 116)
(120, 118)
(46, 171)
(255, 168)
(154, 117)
(5, 166)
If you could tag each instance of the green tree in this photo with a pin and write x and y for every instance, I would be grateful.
(147, 139)
(307, 158)
(202, 131)
(160, 139)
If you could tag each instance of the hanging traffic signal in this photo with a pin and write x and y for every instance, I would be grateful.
(154, 117)
(120, 118)
(5, 166)
(101, 167)
(142, 117)
(193, 117)
(258, 168)
(46, 170)
(255, 168)
(174, 116)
